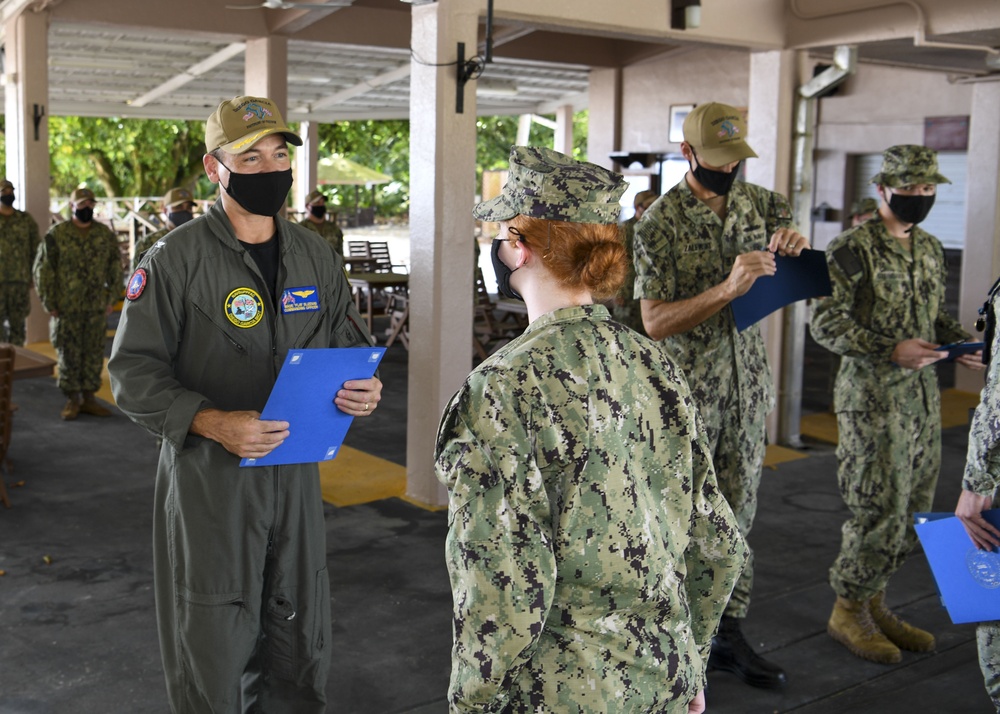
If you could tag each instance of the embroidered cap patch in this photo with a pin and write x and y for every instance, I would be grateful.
(244, 308)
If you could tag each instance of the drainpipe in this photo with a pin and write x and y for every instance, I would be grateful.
(845, 62)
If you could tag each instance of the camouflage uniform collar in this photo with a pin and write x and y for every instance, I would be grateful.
(593, 311)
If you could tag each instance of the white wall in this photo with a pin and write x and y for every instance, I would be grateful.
(876, 108)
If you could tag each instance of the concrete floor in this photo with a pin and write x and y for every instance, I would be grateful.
(77, 631)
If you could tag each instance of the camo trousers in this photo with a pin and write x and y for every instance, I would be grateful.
(15, 304)
(79, 341)
(888, 469)
(737, 440)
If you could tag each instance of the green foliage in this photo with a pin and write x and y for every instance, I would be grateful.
(146, 157)
(385, 147)
(126, 157)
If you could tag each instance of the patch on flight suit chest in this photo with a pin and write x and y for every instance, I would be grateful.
(244, 307)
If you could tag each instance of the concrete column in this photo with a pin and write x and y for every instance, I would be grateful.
(770, 113)
(564, 130)
(305, 163)
(442, 192)
(27, 131)
(266, 70)
(981, 257)
(604, 128)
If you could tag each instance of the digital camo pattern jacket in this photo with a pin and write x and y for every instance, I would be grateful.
(590, 552)
(682, 249)
(884, 294)
(982, 465)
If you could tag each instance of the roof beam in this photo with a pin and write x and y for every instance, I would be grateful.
(288, 22)
(393, 75)
(195, 70)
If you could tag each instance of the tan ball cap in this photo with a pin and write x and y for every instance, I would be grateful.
(241, 122)
(718, 134)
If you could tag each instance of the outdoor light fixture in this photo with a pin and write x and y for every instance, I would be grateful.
(418, 2)
(685, 14)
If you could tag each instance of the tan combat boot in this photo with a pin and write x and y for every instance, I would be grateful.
(92, 406)
(901, 634)
(851, 624)
(72, 408)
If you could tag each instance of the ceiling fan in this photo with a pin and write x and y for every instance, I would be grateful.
(281, 5)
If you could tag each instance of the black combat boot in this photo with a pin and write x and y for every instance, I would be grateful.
(732, 653)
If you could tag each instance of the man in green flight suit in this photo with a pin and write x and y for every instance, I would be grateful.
(702, 244)
(316, 220)
(78, 276)
(885, 318)
(18, 245)
(242, 591)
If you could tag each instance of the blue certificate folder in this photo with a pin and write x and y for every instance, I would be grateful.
(797, 279)
(967, 578)
(303, 396)
(957, 349)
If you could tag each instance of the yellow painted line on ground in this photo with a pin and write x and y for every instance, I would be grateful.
(781, 454)
(355, 477)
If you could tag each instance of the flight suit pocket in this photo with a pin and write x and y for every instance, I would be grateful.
(296, 628)
(216, 633)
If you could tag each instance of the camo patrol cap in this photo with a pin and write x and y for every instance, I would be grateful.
(241, 122)
(865, 205)
(315, 195)
(543, 183)
(81, 194)
(908, 165)
(177, 197)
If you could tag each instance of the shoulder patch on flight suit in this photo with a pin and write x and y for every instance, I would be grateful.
(847, 261)
(136, 284)
(244, 308)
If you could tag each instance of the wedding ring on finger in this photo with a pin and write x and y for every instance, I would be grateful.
(366, 406)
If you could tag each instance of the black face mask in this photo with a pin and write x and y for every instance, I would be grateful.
(179, 218)
(7, 199)
(503, 273)
(718, 182)
(84, 215)
(911, 209)
(261, 194)
(318, 211)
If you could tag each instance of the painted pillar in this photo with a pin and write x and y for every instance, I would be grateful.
(604, 126)
(564, 130)
(442, 194)
(305, 164)
(266, 70)
(981, 257)
(770, 114)
(27, 131)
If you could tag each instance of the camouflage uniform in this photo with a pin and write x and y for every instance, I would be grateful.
(329, 230)
(145, 243)
(78, 274)
(682, 248)
(589, 549)
(982, 476)
(629, 314)
(889, 418)
(18, 245)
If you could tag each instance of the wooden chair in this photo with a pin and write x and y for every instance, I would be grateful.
(488, 333)
(6, 414)
(398, 309)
